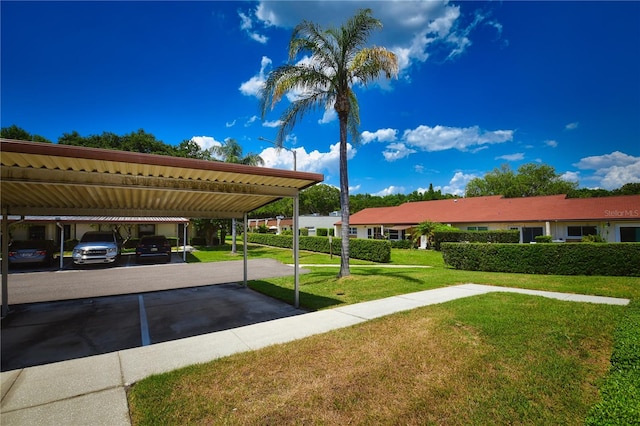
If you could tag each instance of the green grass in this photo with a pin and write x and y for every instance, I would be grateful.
(492, 359)
(499, 358)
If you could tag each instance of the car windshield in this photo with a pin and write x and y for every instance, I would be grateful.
(93, 238)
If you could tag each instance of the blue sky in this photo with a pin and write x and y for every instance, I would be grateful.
(480, 84)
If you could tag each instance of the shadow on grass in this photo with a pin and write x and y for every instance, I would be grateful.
(307, 300)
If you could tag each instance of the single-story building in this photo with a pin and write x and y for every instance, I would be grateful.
(73, 227)
(310, 222)
(616, 219)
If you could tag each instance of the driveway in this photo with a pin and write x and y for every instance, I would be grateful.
(70, 314)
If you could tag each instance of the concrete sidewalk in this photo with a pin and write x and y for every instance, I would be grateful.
(92, 390)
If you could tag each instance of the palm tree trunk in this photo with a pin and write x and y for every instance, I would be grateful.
(344, 200)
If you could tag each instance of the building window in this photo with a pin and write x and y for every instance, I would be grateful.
(580, 231)
(146, 229)
(374, 233)
(477, 228)
(37, 232)
(353, 232)
(630, 234)
(529, 234)
(396, 235)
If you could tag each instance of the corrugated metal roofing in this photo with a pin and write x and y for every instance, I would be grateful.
(500, 209)
(51, 179)
(99, 219)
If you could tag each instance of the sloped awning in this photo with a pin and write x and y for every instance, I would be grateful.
(401, 227)
(50, 179)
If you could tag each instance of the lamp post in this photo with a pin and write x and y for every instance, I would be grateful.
(282, 147)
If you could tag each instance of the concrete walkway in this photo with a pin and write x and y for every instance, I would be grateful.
(92, 390)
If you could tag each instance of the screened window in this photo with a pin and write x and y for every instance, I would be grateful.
(477, 228)
(353, 232)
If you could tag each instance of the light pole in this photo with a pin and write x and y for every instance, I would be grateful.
(282, 147)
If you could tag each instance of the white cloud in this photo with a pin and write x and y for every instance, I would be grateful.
(206, 142)
(571, 126)
(419, 168)
(397, 151)
(570, 176)
(511, 157)
(230, 124)
(382, 135)
(612, 170)
(314, 161)
(457, 183)
(390, 190)
(329, 115)
(413, 30)
(354, 188)
(440, 138)
(251, 120)
(272, 124)
(254, 85)
(551, 143)
(246, 25)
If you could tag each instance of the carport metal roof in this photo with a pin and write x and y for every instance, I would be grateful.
(50, 179)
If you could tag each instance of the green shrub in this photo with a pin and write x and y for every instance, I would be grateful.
(615, 259)
(620, 404)
(322, 232)
(457, 236)
(544, 239)
(373, 250)
(593, 239)
(401, 244)
(304, 231)
(131, 243)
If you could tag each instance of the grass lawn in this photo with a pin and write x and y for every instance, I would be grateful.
(492, 359)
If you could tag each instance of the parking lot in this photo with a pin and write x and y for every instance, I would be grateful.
(77, 312)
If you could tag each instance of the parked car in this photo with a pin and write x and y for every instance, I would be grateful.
(97, 247)
(153, 246)
(31, 252)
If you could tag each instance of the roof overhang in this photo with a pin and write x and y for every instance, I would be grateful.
(51, 179)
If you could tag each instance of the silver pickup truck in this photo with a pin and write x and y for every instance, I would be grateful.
(97, 247)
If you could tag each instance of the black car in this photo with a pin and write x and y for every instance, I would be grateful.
(31, 251)
(153, 247)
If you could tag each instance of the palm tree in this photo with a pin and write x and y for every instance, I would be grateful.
(231, 152)
(339, 59)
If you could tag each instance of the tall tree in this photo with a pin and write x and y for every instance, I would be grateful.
(530, 180)
(18, 133)
(338, 60)
(231, 152)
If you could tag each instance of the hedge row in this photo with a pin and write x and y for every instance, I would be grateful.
(620, 392)
(373, 250)
(511, 236)
(613, 259)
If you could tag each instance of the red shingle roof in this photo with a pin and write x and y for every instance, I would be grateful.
(499, 209)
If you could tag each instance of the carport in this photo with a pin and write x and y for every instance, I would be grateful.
(48, 179)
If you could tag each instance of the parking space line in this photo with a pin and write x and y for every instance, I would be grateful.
(144, 324)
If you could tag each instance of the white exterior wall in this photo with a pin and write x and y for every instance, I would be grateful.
(609, 230)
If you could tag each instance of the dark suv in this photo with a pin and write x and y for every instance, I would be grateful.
(97, 247)
(153, 246)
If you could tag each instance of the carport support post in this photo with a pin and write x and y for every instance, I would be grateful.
(244, 247)
(296, 251)
(61, 244)
(5, 262)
